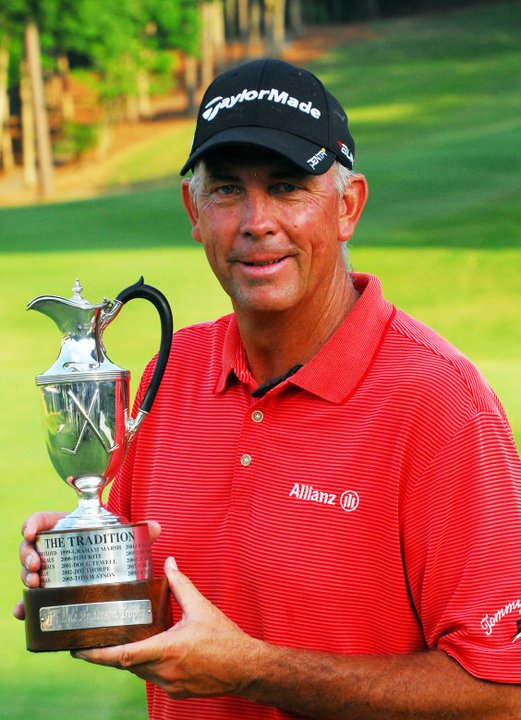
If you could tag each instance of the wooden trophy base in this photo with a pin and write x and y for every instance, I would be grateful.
(70, 618)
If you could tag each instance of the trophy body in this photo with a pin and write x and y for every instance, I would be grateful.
(96, 585)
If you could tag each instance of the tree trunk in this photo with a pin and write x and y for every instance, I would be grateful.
(143, 94)
(279, 26)
(269, 25)
(28, 139)
(43, 140)
(296, 23)
(218, 35)
(191, 83)
(6, 146)
(243, 20)
(208, 59)
(255, 36)
(66, 99)
(230, 15)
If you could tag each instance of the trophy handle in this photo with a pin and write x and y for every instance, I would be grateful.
(147, 292)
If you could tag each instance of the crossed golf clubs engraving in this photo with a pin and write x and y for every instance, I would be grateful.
(86, 415)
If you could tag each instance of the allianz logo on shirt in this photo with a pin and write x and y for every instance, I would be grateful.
(273, 95)
(349, 500)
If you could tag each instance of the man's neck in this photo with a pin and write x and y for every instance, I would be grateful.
(276, 342)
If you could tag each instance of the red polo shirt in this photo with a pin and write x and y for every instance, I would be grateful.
(370, 503)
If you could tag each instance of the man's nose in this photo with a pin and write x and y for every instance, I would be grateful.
(258, 216)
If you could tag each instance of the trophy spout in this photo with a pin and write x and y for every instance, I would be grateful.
(75, 317)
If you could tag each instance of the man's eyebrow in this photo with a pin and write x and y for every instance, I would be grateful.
(221, 174)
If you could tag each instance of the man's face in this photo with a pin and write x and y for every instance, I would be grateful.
(271, 232)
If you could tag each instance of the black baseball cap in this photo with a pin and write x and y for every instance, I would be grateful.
(273, 105)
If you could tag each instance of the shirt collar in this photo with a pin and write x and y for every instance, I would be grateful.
(339, 367)
(234, 358)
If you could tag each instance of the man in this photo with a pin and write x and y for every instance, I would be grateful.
(337, 483)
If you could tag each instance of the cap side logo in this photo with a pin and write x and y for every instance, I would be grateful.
(346, 151)
(280, 97)
(317, 158)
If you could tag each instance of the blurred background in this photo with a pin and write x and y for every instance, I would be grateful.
(97, 105)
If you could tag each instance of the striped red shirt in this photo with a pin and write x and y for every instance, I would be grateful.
(370, 503)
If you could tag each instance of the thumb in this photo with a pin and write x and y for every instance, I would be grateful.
(184, 591)
(154, 530)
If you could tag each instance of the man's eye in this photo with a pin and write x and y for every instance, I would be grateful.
(226, 189)
(284, 187)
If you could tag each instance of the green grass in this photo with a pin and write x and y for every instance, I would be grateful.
(434, 108)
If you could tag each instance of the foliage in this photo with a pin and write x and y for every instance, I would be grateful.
(74, 141)
(115, 40)
(11, 34)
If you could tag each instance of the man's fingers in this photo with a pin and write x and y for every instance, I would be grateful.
(184, 591)
(37, 522)
(154, 529)
(29, 558)
(124, 657)
(31, 580)
(19, 610)
(30, 561)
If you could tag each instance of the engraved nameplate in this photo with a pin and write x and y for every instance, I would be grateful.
(95, 615)
(94, 556)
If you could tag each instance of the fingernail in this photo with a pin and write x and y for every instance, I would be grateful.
(29, 561)
(171, 564)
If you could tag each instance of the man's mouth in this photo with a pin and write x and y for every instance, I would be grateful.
(261, 263)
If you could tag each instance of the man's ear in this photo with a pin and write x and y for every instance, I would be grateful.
(191, 209)
(351, 205)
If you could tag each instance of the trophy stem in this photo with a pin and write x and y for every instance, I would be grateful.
(88, 514)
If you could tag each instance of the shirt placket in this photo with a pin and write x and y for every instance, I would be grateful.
(248, 459)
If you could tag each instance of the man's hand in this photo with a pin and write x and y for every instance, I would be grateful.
(29, 558)
(203, 654)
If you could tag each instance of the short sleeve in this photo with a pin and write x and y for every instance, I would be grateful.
(461, 529)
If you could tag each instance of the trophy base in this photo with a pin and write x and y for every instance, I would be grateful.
(71, 618)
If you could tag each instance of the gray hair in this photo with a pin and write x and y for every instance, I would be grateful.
(343, 177)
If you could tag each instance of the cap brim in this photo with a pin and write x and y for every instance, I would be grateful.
(308, 156)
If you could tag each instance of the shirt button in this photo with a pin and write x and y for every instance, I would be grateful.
(246, 460)
(257, 416)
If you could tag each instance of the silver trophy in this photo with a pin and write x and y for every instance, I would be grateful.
(96, 585)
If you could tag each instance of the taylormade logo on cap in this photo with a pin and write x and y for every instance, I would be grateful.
(273, 95)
